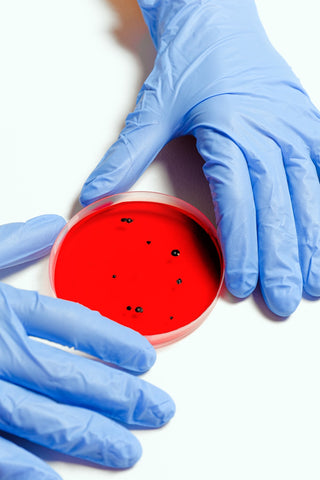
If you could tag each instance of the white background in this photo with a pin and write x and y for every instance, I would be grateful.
(246, 386)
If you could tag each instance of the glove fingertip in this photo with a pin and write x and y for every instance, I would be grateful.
(163, 412)
(29, 241)
(312, 289)
(241, 284)
(124, 453)
(283, 300)
(41, 233)
(92, 191)
(50, 224)
(140, 358)
(146, 359)
(110, 176)
(312, 276)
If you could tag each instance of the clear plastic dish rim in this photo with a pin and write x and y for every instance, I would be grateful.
(159, 339)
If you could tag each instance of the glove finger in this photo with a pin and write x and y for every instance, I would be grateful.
(91, 384)
(17, 463)
(227, 172)
(29, 241)
(305, 194)
(76, 380)
(70, 430)
(280, 273)
(142, 138)
(73, 325)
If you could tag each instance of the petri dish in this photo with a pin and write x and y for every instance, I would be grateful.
(146, 260)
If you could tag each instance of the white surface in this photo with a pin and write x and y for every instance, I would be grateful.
(246, 387)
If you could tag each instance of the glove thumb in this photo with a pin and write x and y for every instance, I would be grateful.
(139, 142)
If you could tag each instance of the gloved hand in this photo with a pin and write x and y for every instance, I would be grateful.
(216, 76)
(58, 399)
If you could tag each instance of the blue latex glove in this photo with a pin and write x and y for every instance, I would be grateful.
(58, 399)
(216, 76)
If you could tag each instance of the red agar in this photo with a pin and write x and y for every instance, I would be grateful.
(108, 264)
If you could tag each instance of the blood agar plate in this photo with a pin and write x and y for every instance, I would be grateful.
(149, 261)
